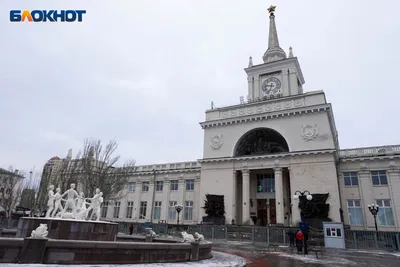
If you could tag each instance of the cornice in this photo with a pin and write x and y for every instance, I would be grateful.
(266, 116)
(370, 158)
(167, 171)
(269, 156)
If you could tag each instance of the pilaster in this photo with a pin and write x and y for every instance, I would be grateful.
(366, 188)
(150, 203)
(136, 204)
(196, 202)
(165, 204)
(394, 183)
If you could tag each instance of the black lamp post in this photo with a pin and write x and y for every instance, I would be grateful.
(374, 209)
(309, 197)
(178, 209)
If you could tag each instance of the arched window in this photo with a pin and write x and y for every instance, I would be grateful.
(261, 141)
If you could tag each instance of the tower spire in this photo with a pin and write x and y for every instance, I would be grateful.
(274, 51)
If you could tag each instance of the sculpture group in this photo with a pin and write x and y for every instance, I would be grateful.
(76, 203)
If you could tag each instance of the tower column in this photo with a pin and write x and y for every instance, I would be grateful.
(246, 195)
(280, 218)
(234, 200)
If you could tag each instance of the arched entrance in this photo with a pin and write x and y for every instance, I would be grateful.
(261, 141)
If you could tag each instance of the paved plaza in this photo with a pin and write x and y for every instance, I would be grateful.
(260, 257)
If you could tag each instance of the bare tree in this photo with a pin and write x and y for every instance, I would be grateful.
(100, 170)
(11, 184)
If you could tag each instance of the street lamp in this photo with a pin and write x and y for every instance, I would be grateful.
(309, 197)
(298, 194)
(374, 209)
(178, 208)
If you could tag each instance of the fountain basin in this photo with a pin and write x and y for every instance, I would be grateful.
(69, 229)
(50, 251)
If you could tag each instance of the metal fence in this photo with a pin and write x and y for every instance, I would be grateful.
(354, 239)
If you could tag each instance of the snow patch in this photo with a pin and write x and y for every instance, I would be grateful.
(219, 259)
(313, 259)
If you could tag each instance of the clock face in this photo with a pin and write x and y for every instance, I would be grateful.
(272, 85)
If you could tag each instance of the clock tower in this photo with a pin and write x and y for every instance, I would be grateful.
(279, 75)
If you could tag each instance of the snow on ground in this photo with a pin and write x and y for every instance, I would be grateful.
(396, 254)
(219, 259)
(312, 259)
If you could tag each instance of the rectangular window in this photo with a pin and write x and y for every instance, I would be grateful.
(188, 210)
(189, 185)
(104, 209)
(117, 206)
(129, 210)
(355, 212)
(385, 213)
(174, 186)
(143, 210)
(172, 211)
(145, 187)
(159, 186)
(132, 187)
(333, 232)
(379, 178)
(350, 178)
(266, 183)
(157, 210)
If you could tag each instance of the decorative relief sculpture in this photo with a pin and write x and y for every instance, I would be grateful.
(309, 132)
(40, 232)
(262, 108)
(216, 142)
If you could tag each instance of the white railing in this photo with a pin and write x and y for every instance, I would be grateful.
(369, 151)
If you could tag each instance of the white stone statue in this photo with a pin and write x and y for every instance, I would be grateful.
(40, 232)
(187, 237)
(199, 237)
(50, 202)
(95, 205)
(70, 202)
(81, 207)
(57, 204)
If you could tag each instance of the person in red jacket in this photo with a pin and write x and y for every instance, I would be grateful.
(131, 229)
(299, 240)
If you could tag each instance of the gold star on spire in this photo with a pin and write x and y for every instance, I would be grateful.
(271, 9)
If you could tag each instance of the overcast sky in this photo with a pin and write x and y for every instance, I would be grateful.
(144, 72)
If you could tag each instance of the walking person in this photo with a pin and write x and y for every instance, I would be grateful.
(299, 240)
(131, 229)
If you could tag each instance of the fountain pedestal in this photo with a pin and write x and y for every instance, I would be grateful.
(69, 229)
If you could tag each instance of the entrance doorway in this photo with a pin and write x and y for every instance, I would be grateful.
(272, 211)
(262, 212)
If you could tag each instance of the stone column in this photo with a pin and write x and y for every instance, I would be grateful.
(196, 201)
(136, 203)
(280, 214)
(246, 195)
(234, 200)
(165, 204)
